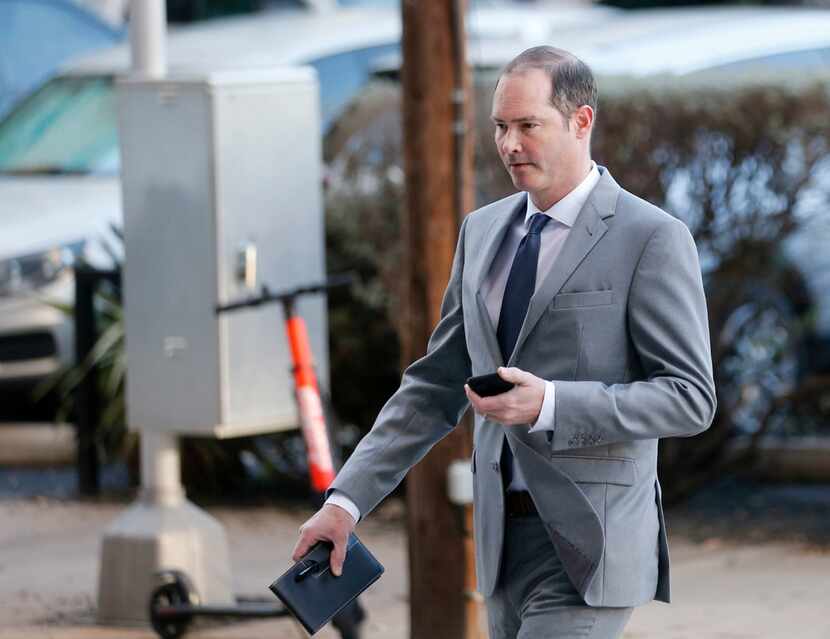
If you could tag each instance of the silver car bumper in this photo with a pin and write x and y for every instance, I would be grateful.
(36, 338)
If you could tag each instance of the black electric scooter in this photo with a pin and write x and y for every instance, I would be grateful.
(174, 603)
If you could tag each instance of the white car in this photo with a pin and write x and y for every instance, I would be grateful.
(60, 191)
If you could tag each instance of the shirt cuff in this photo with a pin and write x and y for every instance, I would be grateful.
(545, 421)
(339, 499)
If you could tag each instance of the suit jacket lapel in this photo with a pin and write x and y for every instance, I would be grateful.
(493, 238)
(587, 230)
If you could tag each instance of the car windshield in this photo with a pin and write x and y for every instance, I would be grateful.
(67, 126)
(70, 125)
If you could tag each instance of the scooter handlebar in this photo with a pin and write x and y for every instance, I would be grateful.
(266, 296)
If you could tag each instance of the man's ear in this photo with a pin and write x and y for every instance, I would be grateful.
(583, 119)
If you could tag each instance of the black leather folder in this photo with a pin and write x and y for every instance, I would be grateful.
(314, 595)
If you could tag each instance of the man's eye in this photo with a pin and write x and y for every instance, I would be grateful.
(500, 126)
(530, 125)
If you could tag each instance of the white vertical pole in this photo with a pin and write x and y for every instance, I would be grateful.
(160, 468)
(148, 24)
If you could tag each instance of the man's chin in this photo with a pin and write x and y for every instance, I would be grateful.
(522, 178)
(522, 184)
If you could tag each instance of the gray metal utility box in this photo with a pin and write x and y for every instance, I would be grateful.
(222, 193)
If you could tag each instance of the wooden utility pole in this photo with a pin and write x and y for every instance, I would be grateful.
(438, 159)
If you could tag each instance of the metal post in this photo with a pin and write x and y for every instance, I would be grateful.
(86, 399)
(160, 469)
(148, 20)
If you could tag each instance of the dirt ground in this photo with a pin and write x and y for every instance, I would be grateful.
(723, 588)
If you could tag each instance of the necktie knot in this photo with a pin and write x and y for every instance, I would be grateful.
(537, 223)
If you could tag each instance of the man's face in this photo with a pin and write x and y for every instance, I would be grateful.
(539, 151)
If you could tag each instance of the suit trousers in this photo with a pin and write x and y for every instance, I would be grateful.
(535, 599)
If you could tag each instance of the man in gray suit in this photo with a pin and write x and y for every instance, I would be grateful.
(590, 301)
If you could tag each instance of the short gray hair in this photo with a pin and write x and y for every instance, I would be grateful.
(572, 82)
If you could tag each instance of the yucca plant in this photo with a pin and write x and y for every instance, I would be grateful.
(108, 358)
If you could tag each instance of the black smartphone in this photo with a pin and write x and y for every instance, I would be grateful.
(489, 385)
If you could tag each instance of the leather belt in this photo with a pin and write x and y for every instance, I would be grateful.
(519, 504)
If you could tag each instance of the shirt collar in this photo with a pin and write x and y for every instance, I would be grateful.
(567, 209)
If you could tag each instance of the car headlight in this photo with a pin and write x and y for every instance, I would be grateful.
(30, 272)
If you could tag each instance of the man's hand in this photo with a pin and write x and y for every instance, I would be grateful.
(330, 523)
(520, 405)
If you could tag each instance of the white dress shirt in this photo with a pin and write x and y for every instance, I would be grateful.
(564, 214)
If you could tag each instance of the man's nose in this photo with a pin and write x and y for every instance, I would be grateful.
(511, 142)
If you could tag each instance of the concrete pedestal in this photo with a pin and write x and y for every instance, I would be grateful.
(149, 537)
(161, 530)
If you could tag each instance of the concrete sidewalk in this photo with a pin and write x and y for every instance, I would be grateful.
(49, 564)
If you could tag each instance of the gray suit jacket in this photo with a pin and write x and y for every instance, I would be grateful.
(620, 326)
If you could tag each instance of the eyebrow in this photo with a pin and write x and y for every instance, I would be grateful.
(527, 118)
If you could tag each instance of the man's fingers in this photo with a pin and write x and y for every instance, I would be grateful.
(486, 406)
(512, 374)
(338, 556)
(332, 524)
(303, 545)
(471, 394)
(475, 399)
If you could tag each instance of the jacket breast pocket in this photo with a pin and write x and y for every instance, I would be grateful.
(597, 470)
(582, 299)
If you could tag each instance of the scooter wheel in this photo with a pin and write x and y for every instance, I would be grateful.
(171, 593)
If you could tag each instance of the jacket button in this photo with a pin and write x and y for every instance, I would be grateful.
(495, 466)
